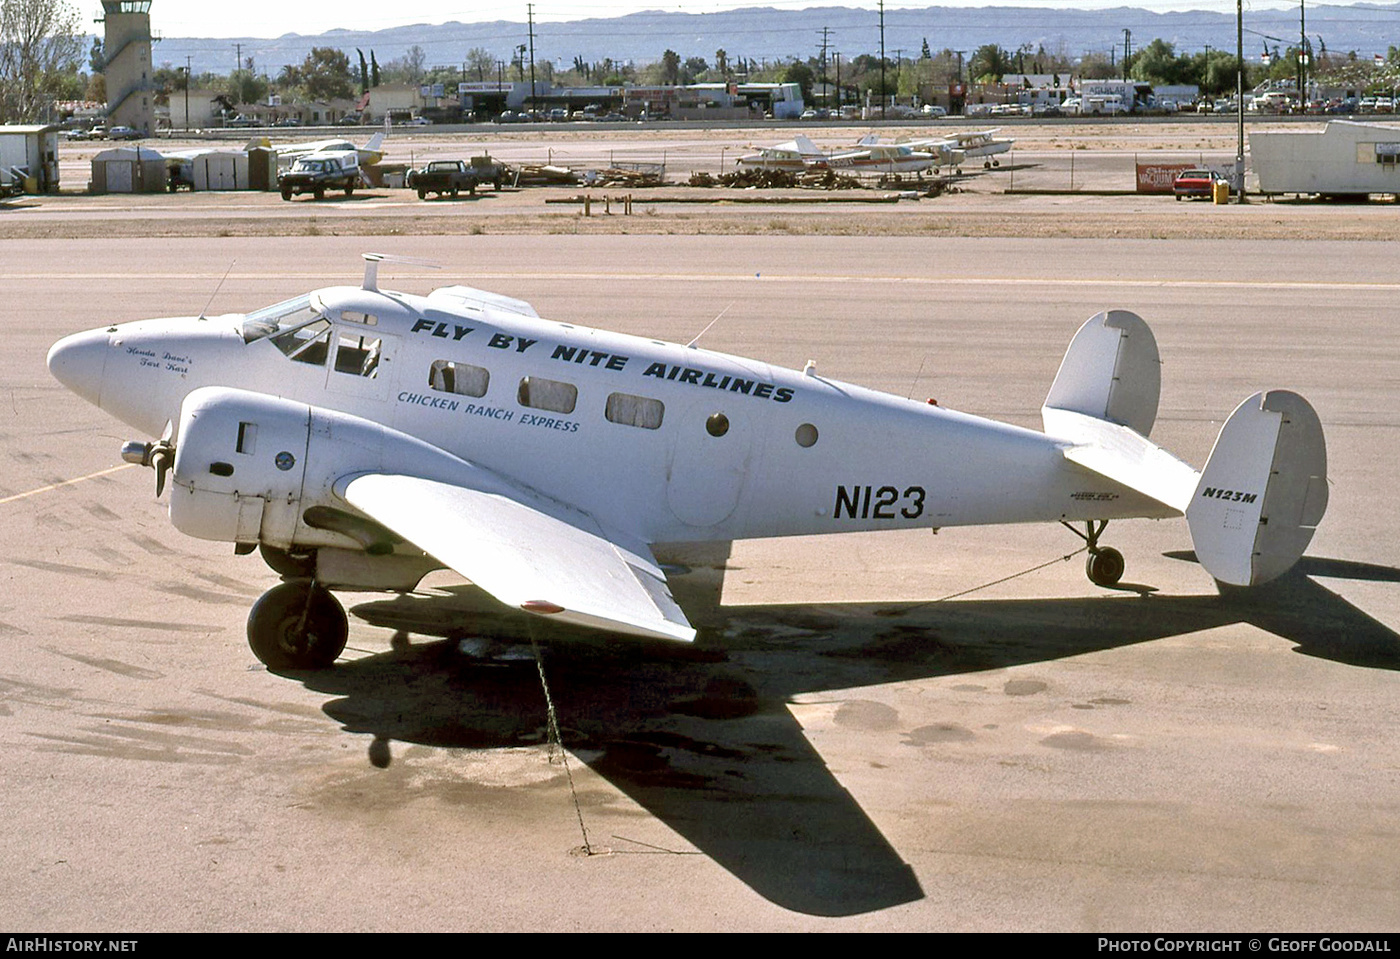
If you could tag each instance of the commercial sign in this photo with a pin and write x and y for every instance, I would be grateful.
(1158, 177)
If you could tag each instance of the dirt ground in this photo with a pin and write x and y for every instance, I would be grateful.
(1085, 157)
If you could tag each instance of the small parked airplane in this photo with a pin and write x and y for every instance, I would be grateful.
(880, 158)
(794, 155)
(971, 144)
(361, 437)
(868, 156)
(370, 154)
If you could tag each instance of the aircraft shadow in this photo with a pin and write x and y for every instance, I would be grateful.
(701, 737)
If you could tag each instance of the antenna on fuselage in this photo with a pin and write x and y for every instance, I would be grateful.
(691, 344)
(372, 261)
(216, 290)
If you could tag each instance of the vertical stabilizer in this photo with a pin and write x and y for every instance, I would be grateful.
(1111, 371)
(1263, 491)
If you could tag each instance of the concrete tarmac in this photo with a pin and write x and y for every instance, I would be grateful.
(863, 739)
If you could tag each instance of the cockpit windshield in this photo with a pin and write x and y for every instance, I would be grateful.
(287, 315)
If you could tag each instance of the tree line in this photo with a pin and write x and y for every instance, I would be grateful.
(41, 61)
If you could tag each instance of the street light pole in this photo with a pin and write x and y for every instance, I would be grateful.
(1239, 99)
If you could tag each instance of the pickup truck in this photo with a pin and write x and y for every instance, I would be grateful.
(318, 172)
(443, 177)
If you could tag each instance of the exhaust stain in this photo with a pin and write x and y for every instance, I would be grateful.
(109, 665)
(140, 624)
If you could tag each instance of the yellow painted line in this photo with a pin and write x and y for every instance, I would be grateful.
(54, 486)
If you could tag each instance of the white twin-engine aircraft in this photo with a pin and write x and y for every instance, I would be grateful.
(361, 438)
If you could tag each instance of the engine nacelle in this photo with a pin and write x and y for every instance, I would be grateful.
(255, 468)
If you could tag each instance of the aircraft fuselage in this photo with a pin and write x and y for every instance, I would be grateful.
(665, 442)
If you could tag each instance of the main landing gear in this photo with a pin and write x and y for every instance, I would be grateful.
(1105, 565)
(297, 625)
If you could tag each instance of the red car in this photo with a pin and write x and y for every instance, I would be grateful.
(1195, 183)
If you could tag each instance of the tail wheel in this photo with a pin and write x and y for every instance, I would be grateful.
(297, 625)
(1105, 567)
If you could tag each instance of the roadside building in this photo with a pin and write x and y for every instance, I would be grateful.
(394, 100)
(29, 154)
(197, 109)
(1345, 158)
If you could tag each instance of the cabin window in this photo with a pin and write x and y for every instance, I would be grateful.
(634, 411)
(542, 394)
(357, 355)
(806, 435)
(717, 425)
(463, 378)
(368, 319)
(308, 343)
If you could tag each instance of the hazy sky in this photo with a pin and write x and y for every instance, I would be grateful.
(271, 18)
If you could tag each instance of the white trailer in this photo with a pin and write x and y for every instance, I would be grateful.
(1344, 158)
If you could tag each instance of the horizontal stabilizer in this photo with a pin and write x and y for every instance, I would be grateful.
(1111, 371)
(1263, 491)
(1124, 456)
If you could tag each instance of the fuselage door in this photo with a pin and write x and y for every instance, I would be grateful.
(709, 463)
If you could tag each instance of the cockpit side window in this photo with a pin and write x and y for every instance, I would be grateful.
(278, 318)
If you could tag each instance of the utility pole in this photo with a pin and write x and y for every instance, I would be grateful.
(821, 58)
(530, 15)
(1302, 56)
(188, 60)
(1127, 50)
(882, 59)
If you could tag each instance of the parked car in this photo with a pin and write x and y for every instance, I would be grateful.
(124, 133)
(1196, 184)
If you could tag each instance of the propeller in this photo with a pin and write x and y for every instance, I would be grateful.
(159, 456)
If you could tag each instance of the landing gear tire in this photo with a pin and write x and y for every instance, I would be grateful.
(1104, 567)
(293, 565)
(297, 625)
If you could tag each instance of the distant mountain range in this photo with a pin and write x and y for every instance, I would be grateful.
(764, 33)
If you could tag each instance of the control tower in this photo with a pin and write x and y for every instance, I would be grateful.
(126, 53)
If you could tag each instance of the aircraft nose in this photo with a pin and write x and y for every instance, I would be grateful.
(78, 362)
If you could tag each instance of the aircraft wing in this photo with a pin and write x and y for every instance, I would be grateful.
(525, 556)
